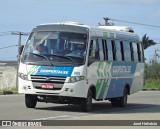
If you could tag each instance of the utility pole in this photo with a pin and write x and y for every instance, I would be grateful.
(19, 46)
(19, 40)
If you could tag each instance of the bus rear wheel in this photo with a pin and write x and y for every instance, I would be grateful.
(30, 101)
(86, 104)
(121, 101)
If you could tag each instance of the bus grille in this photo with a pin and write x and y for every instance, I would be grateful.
(56, 81)
(47, 79)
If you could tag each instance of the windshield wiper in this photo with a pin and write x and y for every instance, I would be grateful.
(42, 56)
(64, 57)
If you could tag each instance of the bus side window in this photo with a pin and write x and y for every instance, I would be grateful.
(118, 51)
(101, 49)
(105, 49)
(141, 49)
(94, 50)
(122, 50)
(113, 50)
(110, 54)
(127, 51)
(139, 52)
(135, 51)
(91, 49)
(132, 52)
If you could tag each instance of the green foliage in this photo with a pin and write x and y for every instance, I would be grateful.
(152, 70)
(9, 89)
(152, 75)
(152, 83)
(147, 42)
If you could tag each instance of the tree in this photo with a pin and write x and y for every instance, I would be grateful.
(152, 70)
(147, 42)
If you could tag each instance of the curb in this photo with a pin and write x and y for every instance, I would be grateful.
(156, 89)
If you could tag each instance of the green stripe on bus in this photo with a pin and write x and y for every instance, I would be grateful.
(104, 85)
(99, 65)
(98, 84)
(32, 70)
(101, 69)
(103, 73)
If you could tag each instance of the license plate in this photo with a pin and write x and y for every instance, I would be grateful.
(47, 86)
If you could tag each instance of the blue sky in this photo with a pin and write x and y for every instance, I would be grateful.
(23, 15)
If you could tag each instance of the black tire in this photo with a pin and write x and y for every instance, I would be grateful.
(86, 104)
(121, 101)
(30, 101)
(114, 102)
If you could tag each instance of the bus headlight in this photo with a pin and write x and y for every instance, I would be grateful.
(76, 79)
(23, 76)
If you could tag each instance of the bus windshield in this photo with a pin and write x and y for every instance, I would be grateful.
(55, 48)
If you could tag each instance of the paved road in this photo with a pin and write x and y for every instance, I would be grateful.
(143, 105)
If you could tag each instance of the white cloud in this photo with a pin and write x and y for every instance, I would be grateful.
(126, 1)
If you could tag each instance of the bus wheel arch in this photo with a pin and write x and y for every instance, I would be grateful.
(93, 89)
(121, 101)
(127, 87)
(124, 98)
(86, 103)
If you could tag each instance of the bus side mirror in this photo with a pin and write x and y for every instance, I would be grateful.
(90, 60)
(21, 49)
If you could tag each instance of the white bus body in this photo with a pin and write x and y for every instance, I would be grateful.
(110, 65)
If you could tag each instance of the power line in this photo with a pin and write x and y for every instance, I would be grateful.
(142, 24)
(8, 46)
(5, 33)
(20, 33)
(9, 57)
(14, 33)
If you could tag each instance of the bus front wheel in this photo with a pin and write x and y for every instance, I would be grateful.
(86, 103)
(30, 101)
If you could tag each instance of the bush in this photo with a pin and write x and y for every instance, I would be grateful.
(152, 83)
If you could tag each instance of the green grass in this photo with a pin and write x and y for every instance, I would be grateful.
(9, 89)
(152, 83)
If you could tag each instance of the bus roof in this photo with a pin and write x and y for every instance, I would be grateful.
(116, 28)
(67, 23)
(119, 31)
